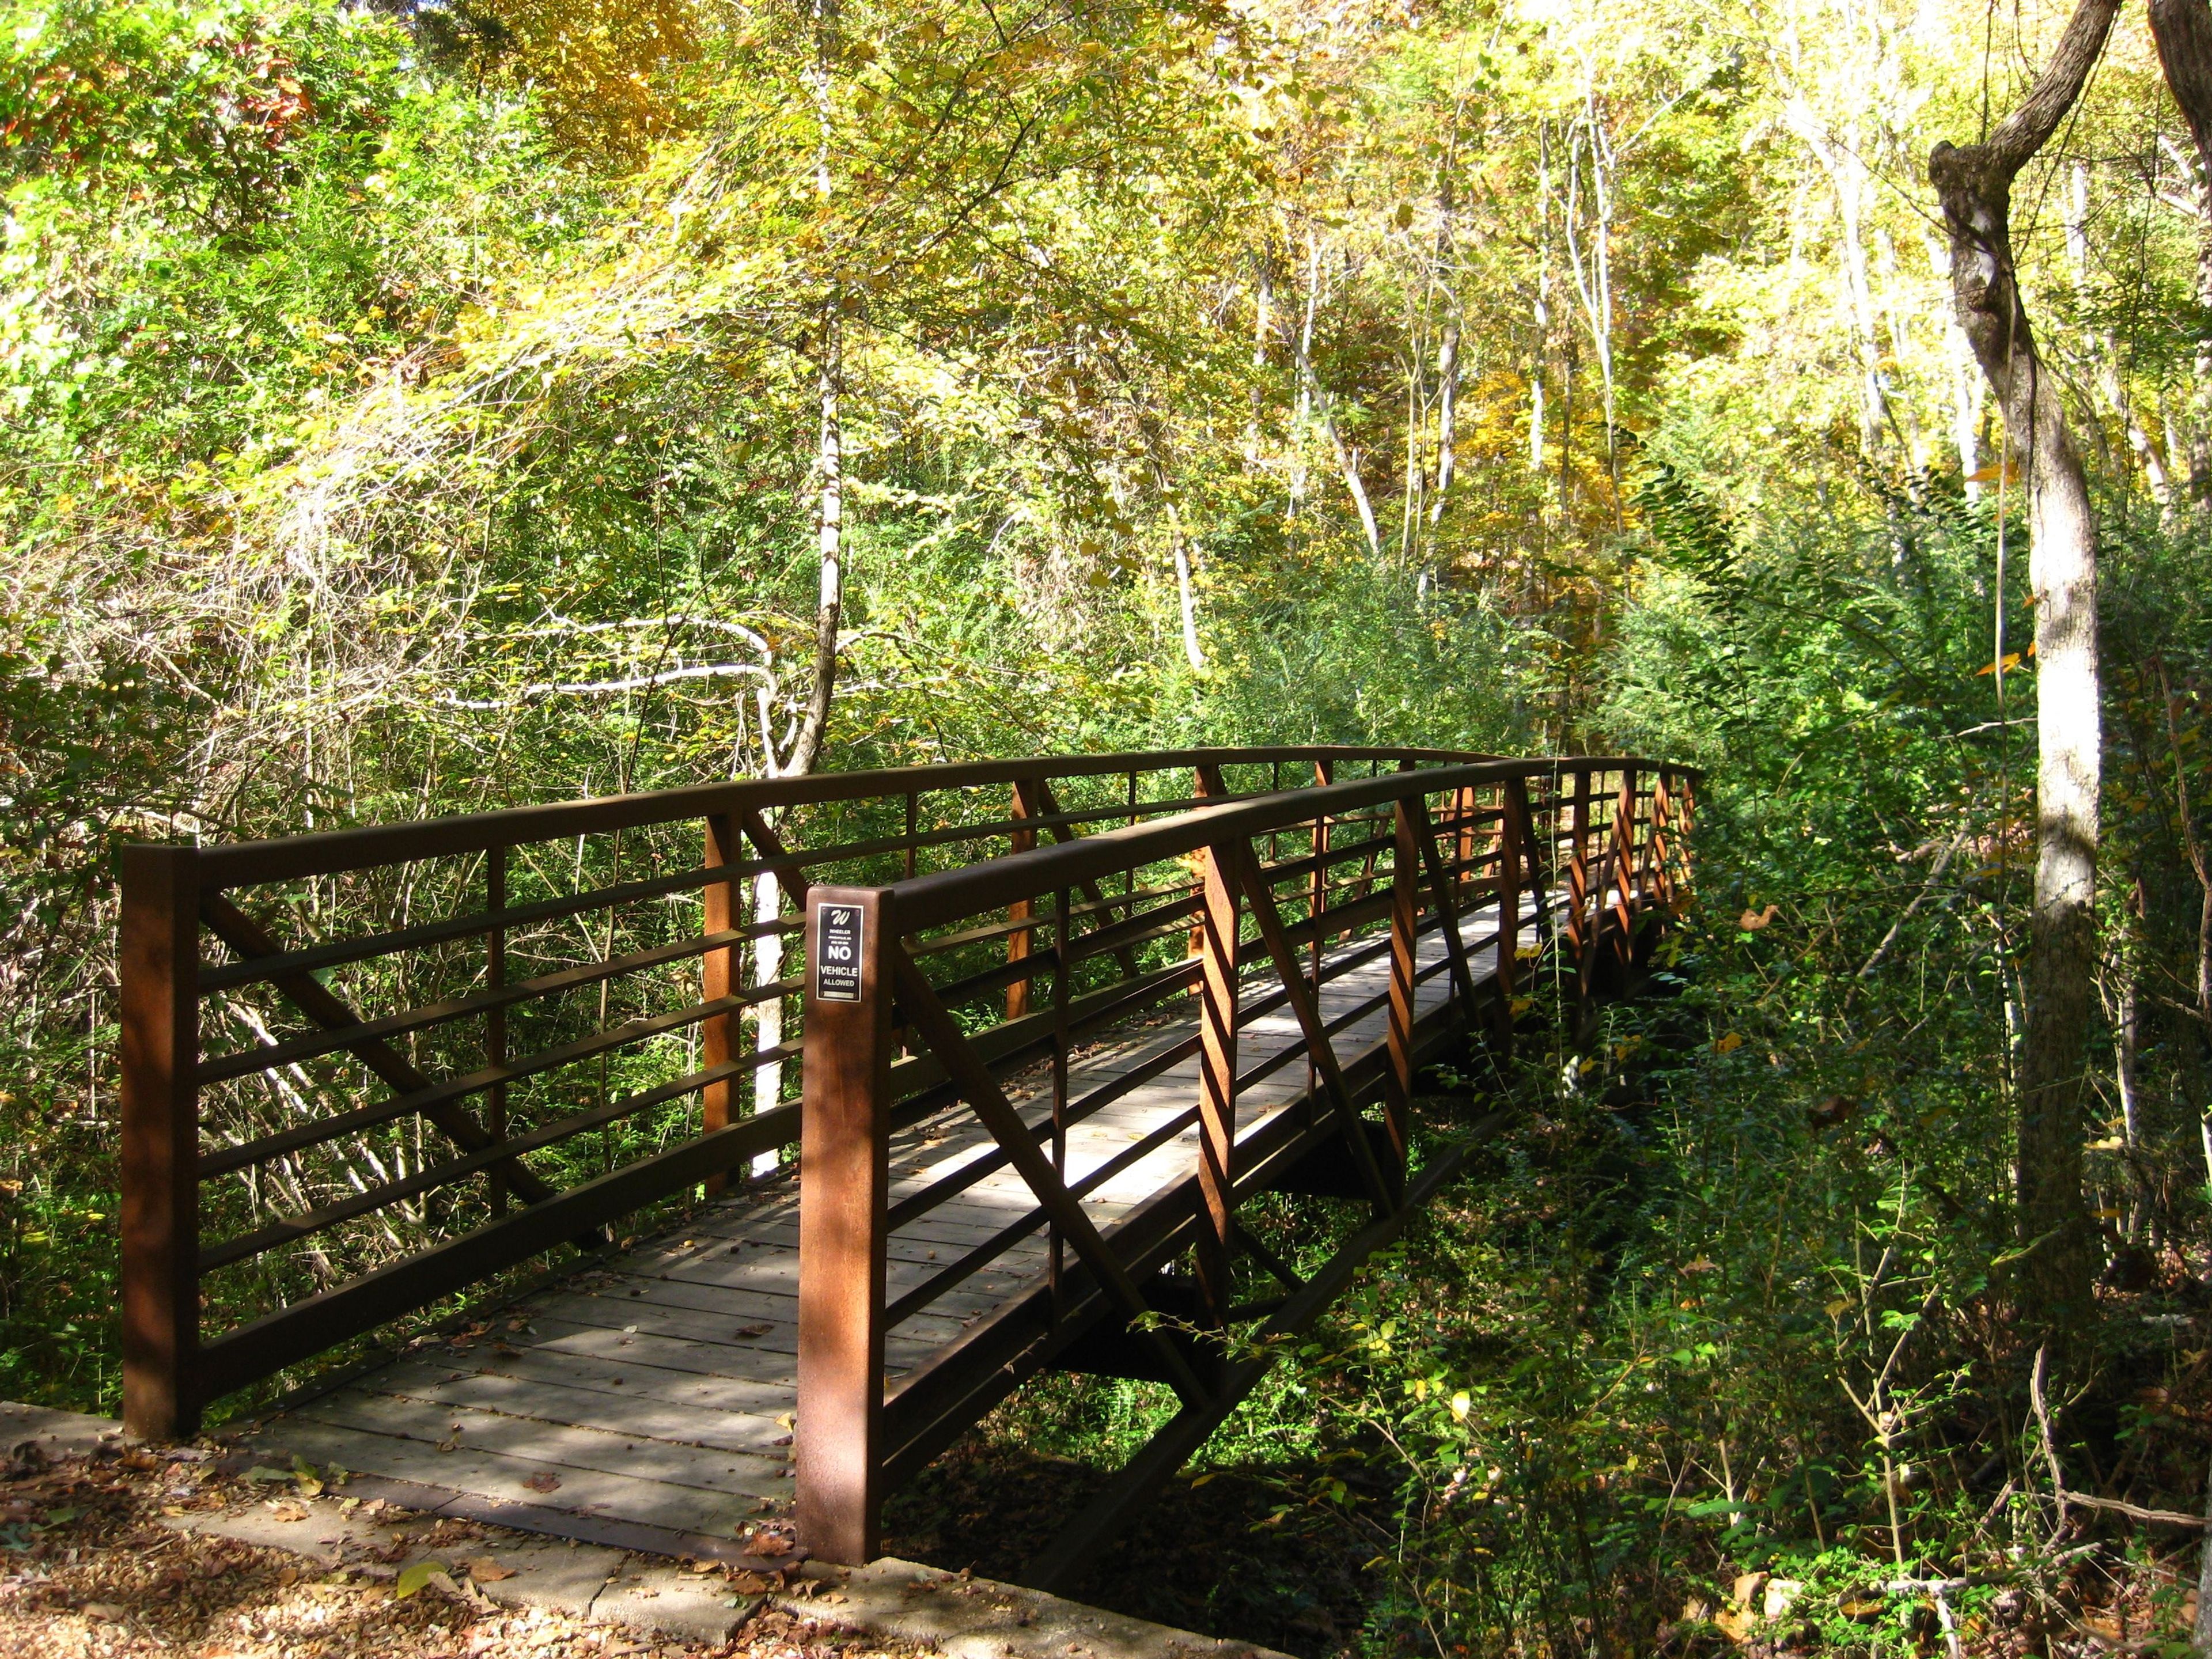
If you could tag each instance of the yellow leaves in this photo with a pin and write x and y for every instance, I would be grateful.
(421, 1575)
(1462, 1403)
(604, 73)
(1729, 1043)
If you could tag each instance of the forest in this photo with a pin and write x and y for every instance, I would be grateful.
(426, 406)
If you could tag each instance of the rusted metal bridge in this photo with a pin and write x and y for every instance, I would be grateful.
(1039, 1031)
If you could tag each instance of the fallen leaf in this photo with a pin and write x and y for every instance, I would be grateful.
(486, 1570)
(547, 1482)
(261, 1472)
(288, 1512)
(755, 1330)
(418, 1576)
(106, 1611)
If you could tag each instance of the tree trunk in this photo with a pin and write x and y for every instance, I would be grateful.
(829, 602)
(1974, 183)
(1447, 415)
(1186, 596)
(2183, 29)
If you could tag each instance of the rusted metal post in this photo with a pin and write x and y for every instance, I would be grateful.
(495, 1020)
(1626, 902)
(720, 1036)
(158, 956)
(1512, 839)
(1022, 912)
(1581, 926)
(1405, 929)
(1216, 1072)
(1316, 901)
(844, 1176)
(1060, 900)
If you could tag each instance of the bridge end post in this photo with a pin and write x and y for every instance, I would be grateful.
(844, 1176)
(159, 968)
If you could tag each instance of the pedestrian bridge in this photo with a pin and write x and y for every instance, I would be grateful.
(685, 1171)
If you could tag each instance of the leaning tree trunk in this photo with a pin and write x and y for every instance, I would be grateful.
(1974, 183)
(2183, 29)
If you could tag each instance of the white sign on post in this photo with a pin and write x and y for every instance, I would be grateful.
(837, 932)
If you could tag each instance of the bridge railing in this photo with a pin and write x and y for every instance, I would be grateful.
(365, 1070)
(1250, 907)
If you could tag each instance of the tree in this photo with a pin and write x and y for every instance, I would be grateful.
(1974, 184)
(2183, 29)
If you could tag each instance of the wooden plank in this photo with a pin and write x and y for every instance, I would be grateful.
(623, 1380)
(719, 1328)
(632, 1454)
(581, 1491)
(617, 1412)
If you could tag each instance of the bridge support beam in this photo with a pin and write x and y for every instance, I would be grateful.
(843, 1177)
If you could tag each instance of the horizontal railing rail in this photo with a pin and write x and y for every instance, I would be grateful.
(364, 1070)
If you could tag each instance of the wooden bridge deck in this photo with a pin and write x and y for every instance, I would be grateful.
(653, 1396)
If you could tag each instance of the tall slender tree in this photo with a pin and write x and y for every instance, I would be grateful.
(1974, 183)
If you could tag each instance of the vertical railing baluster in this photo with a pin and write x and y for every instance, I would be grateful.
(1219, 924)
(1581, 925)
(1512, 837)
(1463, 810)
(1317, 903)
(496, 1017)
(1624, 869)
(1404, 941)
(1021, 912)
(843, 1179)
(1060, 1046)
(719, 970)
(158, 965)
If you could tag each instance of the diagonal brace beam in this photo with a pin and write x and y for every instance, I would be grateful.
(1049, 806)
(1249, 1242)
(917, 1000)
(1440, 892)
(250, 939)
(1262, 899)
